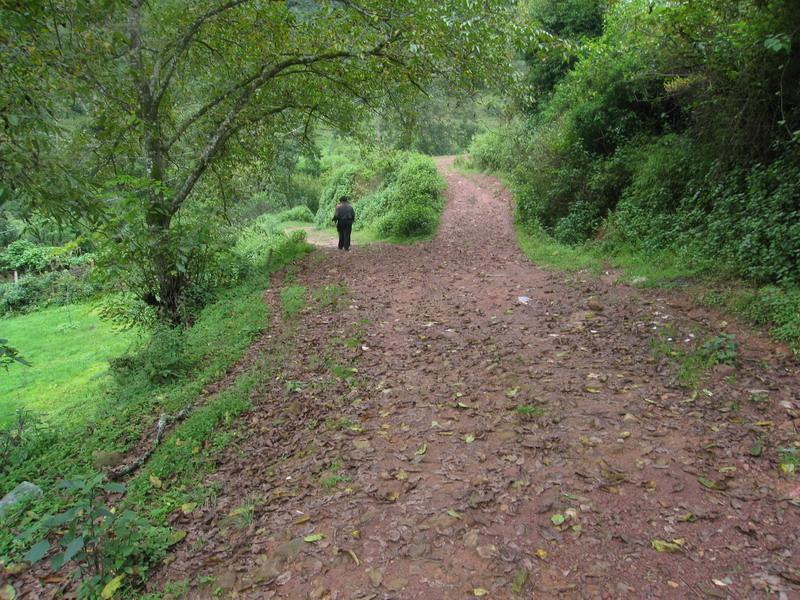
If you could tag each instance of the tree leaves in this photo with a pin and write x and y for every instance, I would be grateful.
(111, 587)
(37, 552)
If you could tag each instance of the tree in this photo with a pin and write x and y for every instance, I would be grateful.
(177, 89)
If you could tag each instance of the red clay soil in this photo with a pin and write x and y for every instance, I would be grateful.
(423, 479)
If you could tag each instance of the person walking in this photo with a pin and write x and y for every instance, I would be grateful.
(344, 217)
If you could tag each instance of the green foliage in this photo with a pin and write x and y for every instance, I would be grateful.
(409, 203)
(119, 410)
(342, 182)
(19, 437)
(23, 255)
(408, 221)
(665, 142)
(163, 359)
(719, 350)
(150, 142)
(300, 214)
(33, 292)
(10, 355)
(293, 299)
(107, 545)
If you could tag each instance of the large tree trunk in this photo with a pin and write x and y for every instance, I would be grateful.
(168, 282)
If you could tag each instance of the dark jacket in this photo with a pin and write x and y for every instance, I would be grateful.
(345, 214)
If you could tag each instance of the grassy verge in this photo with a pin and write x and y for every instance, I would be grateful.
(776, 309)
(69, 348)
(165, 376)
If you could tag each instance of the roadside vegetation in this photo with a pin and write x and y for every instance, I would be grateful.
(397, 196)
(672, 154)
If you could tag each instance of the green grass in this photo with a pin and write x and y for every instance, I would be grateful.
(69, 348)
(546, 252)
(120, 409)
(293, 299)
(528, 411)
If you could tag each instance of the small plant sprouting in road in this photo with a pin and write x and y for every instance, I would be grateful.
(790, 459)
(330, 295)
(294, 386)
(528, 411)
(333, 476)
(340, 424)
(243, 516)
(722, 349)
(343, 373)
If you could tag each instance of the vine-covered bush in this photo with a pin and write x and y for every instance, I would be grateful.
(409, 205)
(342, 182)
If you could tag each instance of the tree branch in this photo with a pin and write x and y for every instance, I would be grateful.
(184, 42)
(227, 125)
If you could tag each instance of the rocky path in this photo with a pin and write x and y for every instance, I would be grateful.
(466, 424)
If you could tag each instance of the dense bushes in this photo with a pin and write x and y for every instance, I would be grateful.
(671, 131)
(406, 199)
(48, 276)
(341, 182)
(667, 140)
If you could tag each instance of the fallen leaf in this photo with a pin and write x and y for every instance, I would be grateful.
(155, 481)
(301, 519)
(111, 587)
(401, 475)
(175, 537)
(454, 514)
(480, 592)
(469, 438)
(188, 507)
(354, 557)
(314, 537)
(422, 449)
(665, 546)
(520, 579)
(541, 553)
(7, 592)
(15, 568)
(711, 484)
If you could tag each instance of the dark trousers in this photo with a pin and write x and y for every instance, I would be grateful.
(344, 235)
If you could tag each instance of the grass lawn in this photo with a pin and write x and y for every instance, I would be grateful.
(69, 348)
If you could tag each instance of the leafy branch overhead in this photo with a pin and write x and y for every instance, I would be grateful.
(177, 87)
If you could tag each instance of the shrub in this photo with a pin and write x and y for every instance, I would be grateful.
(164, 358)
(298, 213)
(408, 221)
(106, 544)
(342, 182)
(48, 289)
(25, 256)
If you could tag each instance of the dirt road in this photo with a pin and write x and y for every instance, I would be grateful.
(466, 424)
